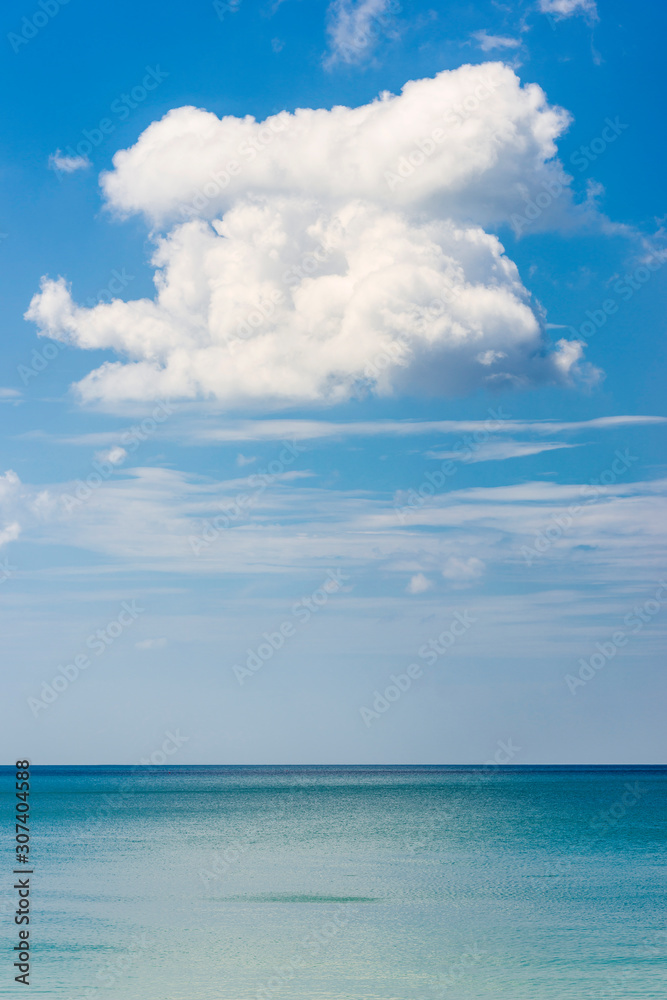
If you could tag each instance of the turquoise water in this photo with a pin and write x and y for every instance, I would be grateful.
(344, 883)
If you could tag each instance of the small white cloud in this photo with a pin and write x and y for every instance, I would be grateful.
(9, 395)
(418, 584)
(151, 644)
(9, 484)
(9, 533)
(490, 357)
(67, 164)
(277, 44)
(115, 455)
(463, 569)
(242, 460)
(354, 26)
(569, 8)
(488, 42)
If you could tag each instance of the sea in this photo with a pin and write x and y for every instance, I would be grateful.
(341, 883)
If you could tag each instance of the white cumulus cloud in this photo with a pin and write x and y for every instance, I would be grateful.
(323, 254)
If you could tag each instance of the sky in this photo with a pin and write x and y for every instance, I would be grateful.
(332, 382)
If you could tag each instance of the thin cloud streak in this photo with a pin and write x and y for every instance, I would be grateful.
(270, 430)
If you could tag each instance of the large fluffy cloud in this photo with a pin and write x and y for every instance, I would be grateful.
(323, 253)
(494, 140)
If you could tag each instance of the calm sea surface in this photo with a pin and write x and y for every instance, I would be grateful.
(329, 883)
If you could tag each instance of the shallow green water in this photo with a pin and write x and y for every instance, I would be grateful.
(345, 884)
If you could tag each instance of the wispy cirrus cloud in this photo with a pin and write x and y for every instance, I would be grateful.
(143, 520)
(192, 430)
(487, 42)
(498, 451)
(63, 164)
(354, 27)
(151, 643)
(303, 430)
(8, 395)
(561, 9)
(463, 570)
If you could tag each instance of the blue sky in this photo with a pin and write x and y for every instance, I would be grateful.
(454, 406)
